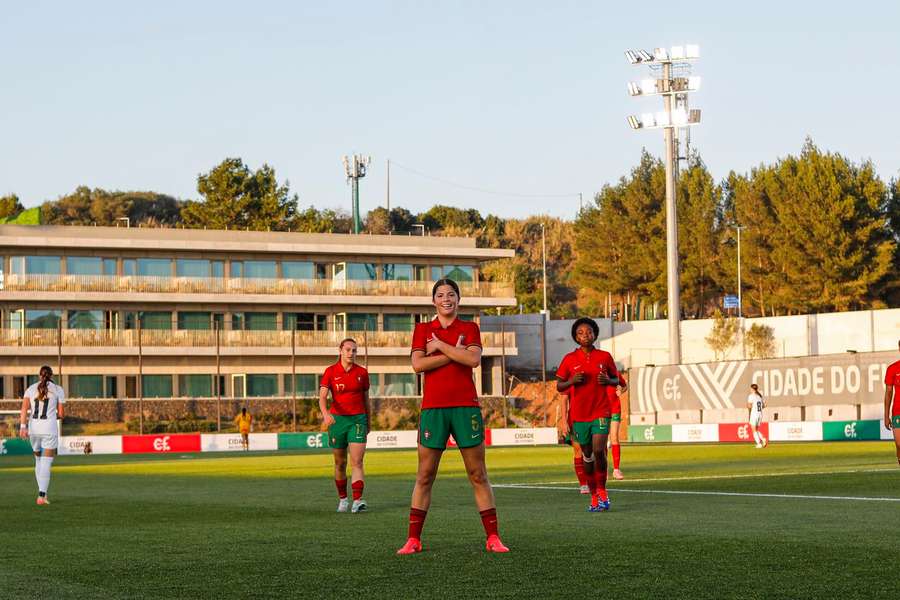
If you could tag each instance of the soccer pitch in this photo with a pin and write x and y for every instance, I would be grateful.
(803, 520)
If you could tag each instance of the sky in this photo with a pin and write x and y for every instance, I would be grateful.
(526, 100)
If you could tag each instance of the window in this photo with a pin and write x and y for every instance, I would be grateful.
(199, 321)
(362, 322)
(192, 267)
(397, 322)
(156, 386)
(398, 384)
(392, 272)
(361, 271)
(84, 265)
(459, 273)
(464, 317)
(149, 320)
(147, 267)
(85, 319)
(195, 386)
(256, 321)
(299, 321)
(307, 385)
(237, 268)
(260, 269)
(109, 266)
(42, 319)
(217, 268)
(35, 265)
(298, 270)
(237, 321)
(262, 386)
(321, 271)
(85, 386)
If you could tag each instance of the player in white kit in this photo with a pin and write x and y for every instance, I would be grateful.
(41, 407)
(757, 404)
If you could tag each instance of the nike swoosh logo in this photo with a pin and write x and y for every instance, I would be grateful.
(475, 435)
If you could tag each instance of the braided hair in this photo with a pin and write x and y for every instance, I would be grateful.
(46, 374)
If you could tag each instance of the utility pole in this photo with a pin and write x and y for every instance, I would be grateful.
(355, 167)
(673, 281)
(740, 303)
(544, 264)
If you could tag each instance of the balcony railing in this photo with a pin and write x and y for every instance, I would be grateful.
(94, 338)
(225, 285)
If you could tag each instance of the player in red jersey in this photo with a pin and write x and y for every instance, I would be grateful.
(446, 350)
(588, 371)
(615, 407)
(891, 392)
(348, 420)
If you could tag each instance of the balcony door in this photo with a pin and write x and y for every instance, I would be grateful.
(238, 386)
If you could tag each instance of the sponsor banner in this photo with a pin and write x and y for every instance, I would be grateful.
(310, 440)
(795, 431)
(176, 442)
(98, 444)
(392, 439)
(523, 437)
(9, 446)
(649, 433)
(851, 430)
(740, 432)
(231, 442)
(706, 432)
(802, 381)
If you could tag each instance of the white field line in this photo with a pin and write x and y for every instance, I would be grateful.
(691, 493)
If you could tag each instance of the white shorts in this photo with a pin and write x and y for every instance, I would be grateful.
(756, 419)
(44, 441)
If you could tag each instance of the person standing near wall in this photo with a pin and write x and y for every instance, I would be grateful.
(891, 404)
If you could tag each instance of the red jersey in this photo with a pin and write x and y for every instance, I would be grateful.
(892, 378)
(348, 388)
(450, 385)
(615, 402)
(588, 400)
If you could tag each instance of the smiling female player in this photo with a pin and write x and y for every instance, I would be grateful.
(446, 350)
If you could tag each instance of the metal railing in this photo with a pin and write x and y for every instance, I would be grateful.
(226, 285)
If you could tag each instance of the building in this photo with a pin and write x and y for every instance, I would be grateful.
(172, 308)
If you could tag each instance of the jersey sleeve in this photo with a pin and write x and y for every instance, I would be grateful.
(610, 364)
(473, 336)
(890, 374)
(420, 338)
(60, 394)
(326, 379)
(365, 380)
(564, 371)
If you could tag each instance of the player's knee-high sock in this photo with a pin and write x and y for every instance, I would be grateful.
(357, 487)
(489, 521)
(416, 522)
(579, 471)
(341, 485)
(601, 483)
(44, 474)
(617, 455)
(590, 468)
(38, 469)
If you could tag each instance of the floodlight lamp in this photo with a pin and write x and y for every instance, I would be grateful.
(692, 51)
(694, 116)
(678, 53)
(632, 57)
(694, 83)
(645, 56)
(648, 120)
(634, 89)
(648, 86)
(634, 122)
(662, 119)
(660, 54)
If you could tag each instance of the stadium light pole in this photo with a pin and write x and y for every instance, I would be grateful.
(740, 303)
(672, 80)
(355, 167)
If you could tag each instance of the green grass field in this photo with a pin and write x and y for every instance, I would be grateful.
(263, 525)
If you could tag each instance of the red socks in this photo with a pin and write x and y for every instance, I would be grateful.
(357, 487)
(489, 521)
(617, 455)
(600, 475)
(579, 470)
(341, 485)
(416, 522)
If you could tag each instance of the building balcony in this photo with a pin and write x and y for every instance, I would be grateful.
(109, 288)
(170, 342)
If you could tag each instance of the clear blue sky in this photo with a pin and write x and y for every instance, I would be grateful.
(519, 97)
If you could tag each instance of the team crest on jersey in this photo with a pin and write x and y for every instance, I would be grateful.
(427, 435)
(475, 424)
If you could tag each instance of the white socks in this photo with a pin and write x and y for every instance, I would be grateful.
(42, 472)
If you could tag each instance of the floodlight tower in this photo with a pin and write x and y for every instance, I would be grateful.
(671, 79)
(355, 166)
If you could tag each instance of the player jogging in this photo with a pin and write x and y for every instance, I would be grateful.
(892, 414)
(348, 421)
(445, 350)
(41, 407)
(757, 404)
(244, 420)
(587, 371)
(615, 407)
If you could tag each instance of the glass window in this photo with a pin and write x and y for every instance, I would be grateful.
(395, 322)
(399, 384)
(85, 319)
(149, 320)
(459, 273)
(464, 317)
(129, 267)
(436, 273)
(299, 321)
(85, 386)
(109, 266)
(361, 271)
(392, 272)
(421, 271)
(217, 268)
(237, 321)
(156, 386)
(256, 321)
(191, 267)
(307, 385)
(262, 386)
(298, 270)
(42, 319)
(194, 320)
(237, 268)
(362, 322)
(84, 265)
(36, 265)
(154, 267)
(374, 385)
(321, 271)
(195, 386)
(260, 269)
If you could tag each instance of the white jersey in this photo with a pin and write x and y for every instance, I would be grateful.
(42, 415)
(756, 405)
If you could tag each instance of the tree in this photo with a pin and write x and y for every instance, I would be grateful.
(378, 221)
(759, 341)
(97, 206)
(454, 221)
(236, 197)
(724, 334)
(10, 206)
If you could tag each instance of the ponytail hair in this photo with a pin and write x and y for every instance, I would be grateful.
(46, 374)
(755, 389)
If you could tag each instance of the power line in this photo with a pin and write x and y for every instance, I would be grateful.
(479, 189)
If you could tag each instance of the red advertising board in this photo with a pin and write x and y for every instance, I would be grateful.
(740, 432)
(451, 443)
(185, 442)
